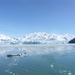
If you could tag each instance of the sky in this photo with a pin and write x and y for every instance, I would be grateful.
(22, 17)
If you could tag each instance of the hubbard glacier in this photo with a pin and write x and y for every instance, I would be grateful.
(37, 38)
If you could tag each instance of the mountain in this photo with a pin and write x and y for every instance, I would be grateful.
(36, 38)
(43, 37)
(7, 40)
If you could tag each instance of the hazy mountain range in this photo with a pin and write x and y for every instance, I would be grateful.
(36, 38)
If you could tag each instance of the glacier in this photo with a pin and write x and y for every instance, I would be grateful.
(37, 38)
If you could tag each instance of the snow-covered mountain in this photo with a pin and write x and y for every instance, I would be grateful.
(36, 38)
(43, 37)
(7, 40)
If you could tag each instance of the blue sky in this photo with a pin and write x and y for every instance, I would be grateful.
(21, 17)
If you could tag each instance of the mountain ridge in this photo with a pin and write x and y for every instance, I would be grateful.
(36, 38)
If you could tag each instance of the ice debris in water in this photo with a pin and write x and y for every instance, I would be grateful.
(52, 65)
(7, 70)
(13, 73)
(62, 71)
(26, 70)
(10, 72)
(69, 73)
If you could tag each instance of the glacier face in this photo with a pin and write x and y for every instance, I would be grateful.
(36, 38)
(43, 37)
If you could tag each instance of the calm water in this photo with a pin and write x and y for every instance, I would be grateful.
(39, 60)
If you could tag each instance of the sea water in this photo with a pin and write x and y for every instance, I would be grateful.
(40, 59)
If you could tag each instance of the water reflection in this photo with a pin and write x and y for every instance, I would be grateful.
(37, 49)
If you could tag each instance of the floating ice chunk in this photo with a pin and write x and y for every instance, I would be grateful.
(64, 71)
(10, 72)
(26, 70)
(7, 70)
(69, 73)
(15, 64)
(60, 71)
(13, 73)
(52, 65)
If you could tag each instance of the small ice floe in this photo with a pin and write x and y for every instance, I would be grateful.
(69, 73)
(26, 70)
(10, 72)
(14, 63)
(65, 71)
(62, 71)
(7, 70)
(13, 73)
(52, 65)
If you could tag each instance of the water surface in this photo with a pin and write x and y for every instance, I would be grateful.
(39, 60)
